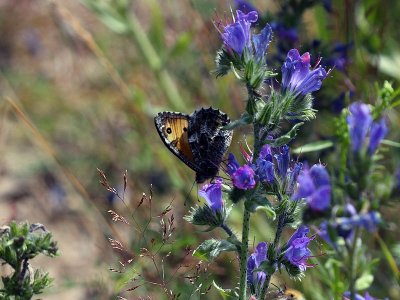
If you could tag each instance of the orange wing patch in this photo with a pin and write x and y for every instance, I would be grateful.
(176, 131)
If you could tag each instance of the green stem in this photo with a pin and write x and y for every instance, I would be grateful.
(154, 62)
(227, 229)
(353, 265)
(243, 255)
(275, 245)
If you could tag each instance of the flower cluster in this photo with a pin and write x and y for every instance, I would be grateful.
(360, 123)
(314, 187)
(273, 166)
(238, 38)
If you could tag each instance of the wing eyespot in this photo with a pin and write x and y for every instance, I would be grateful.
(185, 129)
(169, 130)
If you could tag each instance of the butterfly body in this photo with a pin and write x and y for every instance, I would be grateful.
(197, 139)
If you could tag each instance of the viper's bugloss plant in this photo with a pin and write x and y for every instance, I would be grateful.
(267, 179)
(292, 193)
(19, 243)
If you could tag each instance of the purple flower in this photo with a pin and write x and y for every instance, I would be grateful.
(265, 170)
(367, 296)
(314, 187)
(293, 173)
(359, 122)
(297, 252)
(283, 159)
(236, 36)
(254, 261)
(261, 41)
(367, 220)
(266, 152)
(378, 132)
(232, 165)
(297, 76)
(243, 178)
(212, 193)
(346, 232)
(264, 167)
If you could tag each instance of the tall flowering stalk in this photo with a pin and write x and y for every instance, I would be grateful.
(268, 174)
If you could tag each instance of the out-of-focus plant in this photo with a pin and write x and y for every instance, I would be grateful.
(354, 213)
(19, 243)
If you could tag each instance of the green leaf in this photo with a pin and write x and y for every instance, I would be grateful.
(181, 45)
(389, 258)
(312, 147)
(210, 249)
(108, 15)
(156, 32)
(285, 139)
(260, 202)
(391, 143)
(227, 294)
(364, 281)
(244, 120)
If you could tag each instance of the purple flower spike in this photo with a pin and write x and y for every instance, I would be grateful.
(297, 76)
(212, 193)
(236, 36)
(254, 261)
(243, 178)
(314, 187)
(297, 252)
(378, 132)
(359, 122)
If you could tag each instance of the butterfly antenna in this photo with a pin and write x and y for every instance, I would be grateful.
(188, 194)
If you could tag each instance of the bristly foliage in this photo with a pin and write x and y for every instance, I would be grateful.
(155, 246)
(20, 243)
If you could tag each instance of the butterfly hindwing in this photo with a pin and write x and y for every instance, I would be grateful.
(173, 130)
(208, 140)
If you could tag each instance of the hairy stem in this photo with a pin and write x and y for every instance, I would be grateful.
(243, 255)
(275, 245)
(227, 229)
(353, 265)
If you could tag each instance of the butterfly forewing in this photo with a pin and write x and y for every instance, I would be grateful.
(173, 130)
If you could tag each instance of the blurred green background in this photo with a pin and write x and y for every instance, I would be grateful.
(80, 83)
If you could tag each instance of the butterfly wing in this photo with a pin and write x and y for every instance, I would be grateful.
(173, 130)
(208, 141)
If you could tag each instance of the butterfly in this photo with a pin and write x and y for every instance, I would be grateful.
(197, 139)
